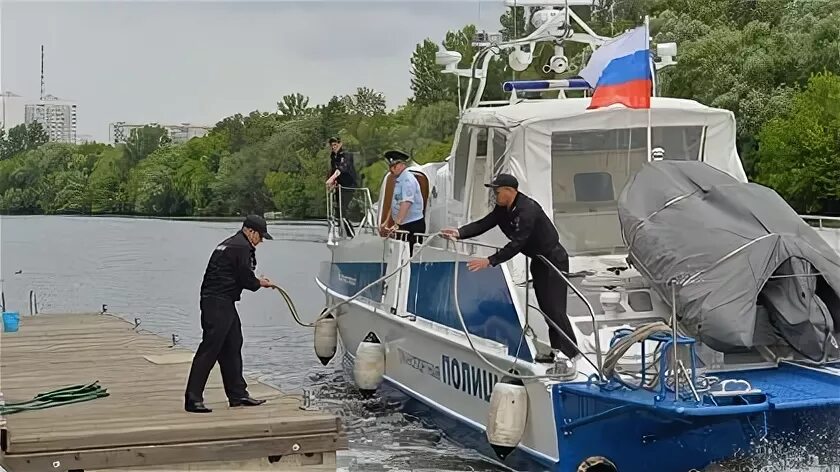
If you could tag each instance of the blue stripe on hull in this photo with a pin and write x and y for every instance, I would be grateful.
(484, 299)
(483, 296)
(347, 278)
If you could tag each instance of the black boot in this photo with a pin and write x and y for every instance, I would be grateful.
(195, 406)
(545, 358)
(245, 401)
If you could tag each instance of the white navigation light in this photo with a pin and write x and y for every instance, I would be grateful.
(666, 49)
(557, 64)
(519, 60)
(666, 53)
(610, 302)
(448, 59)
(657, 154)
(542, 17)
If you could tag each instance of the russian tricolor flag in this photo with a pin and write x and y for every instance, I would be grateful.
(620, 71)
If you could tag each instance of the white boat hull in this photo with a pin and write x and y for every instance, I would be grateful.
(436, 366)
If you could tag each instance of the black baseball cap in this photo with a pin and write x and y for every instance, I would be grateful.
(334, 139)
(503, 180)
(393, 156)
(257, 223)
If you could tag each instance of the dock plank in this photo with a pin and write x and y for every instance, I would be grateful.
(142, 422)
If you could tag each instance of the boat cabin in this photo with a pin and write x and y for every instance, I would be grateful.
(575, 162)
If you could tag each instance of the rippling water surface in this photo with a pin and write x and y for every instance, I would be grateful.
(151, 269)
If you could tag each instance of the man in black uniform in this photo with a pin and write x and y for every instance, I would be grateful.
(231, 269)
(532, 233)
(342, 173)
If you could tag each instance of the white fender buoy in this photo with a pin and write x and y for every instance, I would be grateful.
(326, 338)
(507, 416)
(369, 367)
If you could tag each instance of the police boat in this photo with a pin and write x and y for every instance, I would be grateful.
(706, 311)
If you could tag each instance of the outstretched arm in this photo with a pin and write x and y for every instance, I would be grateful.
(477, 228)
(517, 240)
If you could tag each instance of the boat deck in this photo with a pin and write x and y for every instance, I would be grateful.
(791, 386)
(142, 422)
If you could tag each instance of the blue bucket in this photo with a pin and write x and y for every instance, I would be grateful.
(11, 321)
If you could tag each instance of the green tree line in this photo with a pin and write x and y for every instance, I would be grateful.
(774, 63)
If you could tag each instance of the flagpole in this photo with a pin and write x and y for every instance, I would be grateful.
(653, 78)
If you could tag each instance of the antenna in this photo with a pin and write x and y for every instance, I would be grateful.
(42, 72)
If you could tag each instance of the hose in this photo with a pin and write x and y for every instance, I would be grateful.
(59, 397)
(624, 344)
(331, 309)
(328, 311)
(507, 373)
(700, 384)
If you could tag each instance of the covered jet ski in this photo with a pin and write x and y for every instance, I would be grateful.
(748, 270)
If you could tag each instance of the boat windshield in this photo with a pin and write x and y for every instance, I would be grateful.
(589, 171)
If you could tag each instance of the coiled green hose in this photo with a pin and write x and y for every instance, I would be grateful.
(59, 397)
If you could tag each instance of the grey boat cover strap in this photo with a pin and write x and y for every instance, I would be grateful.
(748, 270)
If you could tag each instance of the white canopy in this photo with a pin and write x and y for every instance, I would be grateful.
(531, 124)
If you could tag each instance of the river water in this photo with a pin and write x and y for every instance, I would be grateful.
(151, 269)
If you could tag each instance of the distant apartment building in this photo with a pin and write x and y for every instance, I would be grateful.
(120, 131)
(12, 114)
(57, 116)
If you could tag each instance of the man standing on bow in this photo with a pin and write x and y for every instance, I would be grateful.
(343, 174)
(229, 271)
(533, 234)
(407, 201)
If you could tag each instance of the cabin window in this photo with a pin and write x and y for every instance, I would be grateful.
(462, 155)
(589, 170)
(499, 161)
(681, 143)
(593, 187)
(640, 301)
(479, 171)
(499, 147)
(481, 144)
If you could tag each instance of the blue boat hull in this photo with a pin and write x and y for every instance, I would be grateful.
(633, 437)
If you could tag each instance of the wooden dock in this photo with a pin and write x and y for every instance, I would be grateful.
(142, 423)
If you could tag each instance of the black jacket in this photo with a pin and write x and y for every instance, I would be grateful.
(343, 161)
(231, 269)
(531, 232)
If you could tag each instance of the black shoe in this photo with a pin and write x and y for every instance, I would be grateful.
(247, 401)
(545, 358)
(196, 407)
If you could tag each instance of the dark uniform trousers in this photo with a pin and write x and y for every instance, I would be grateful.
(418, 226)
(342, 209)
(552, 294)
(221, 342)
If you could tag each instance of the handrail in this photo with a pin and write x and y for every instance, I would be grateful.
(365, 223)
(595, 329)
(820, 219)
(599, 366)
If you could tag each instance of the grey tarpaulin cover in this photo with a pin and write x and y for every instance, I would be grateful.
(723, 240)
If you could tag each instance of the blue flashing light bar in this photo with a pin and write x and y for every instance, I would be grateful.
(565, 84)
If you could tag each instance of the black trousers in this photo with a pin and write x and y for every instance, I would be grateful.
(552, 292)
(342, 209)
(221, 342)
(413, 228)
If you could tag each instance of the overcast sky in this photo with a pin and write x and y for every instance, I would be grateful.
(188, 61)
